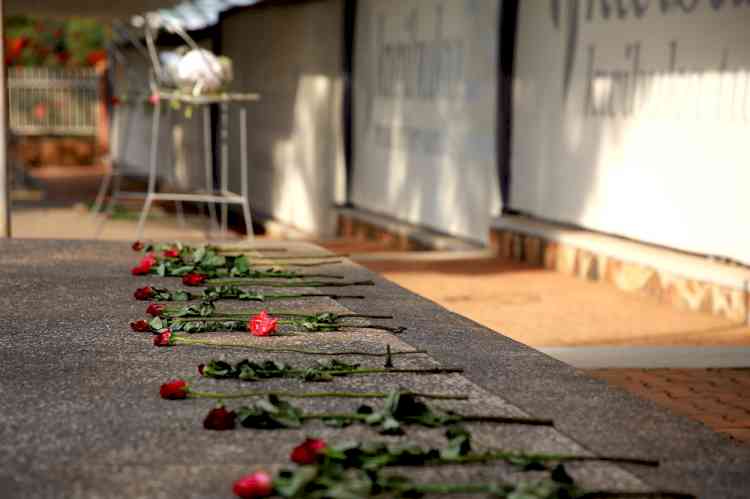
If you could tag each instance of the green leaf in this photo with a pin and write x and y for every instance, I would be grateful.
(271, 413)
(326, 317)
(211, 261)
(250, 296)
(459, 443)
(198, 254)
(241, 266)
(316, 375)
(218, 369)
(157, 324)
(206, 309)
(337, 422)
(181, 296)
(392, 402)
(390, 426)
(181, 270)
(292, 484)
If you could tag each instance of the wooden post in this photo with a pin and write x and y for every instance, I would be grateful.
(4, 167)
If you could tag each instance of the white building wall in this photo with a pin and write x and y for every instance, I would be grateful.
(633, 118)
(425, 84)
(290, 55)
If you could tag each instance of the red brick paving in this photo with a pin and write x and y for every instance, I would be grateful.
(719, 398)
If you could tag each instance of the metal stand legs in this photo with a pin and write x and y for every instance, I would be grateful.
(211, 197)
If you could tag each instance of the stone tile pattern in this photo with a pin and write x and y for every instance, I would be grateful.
(719, 398)
(684, 293)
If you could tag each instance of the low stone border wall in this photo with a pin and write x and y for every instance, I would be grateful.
(664, 285)
(351, 227)
(667, 287)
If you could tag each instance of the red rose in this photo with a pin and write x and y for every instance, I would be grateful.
(144, 266)
(143, 293)
(140, 270)
(308, 451)
(14, 47)
(164, 339)
(193, 279)
(115, 101)
(174, 390)
(172, 253)
(154, 99)
(258, 484)
(200, 369)
(219, 419)
(63, 56)
(40, 111)
(262, 324)
(95, 57)
(140, 326)
(138, 245)
(155, 309)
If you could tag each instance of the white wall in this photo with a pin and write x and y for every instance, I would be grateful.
(425, 83)
(649, 138)
(291, 56)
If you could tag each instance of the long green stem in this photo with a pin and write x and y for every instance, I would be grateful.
(508, 455)
(191, 341)
(295, 264)
(470, 418)
(613, 494)
(495, 490)
(253, 255)
(301, 395)
(453, 488)
(433, 370)
(222, 316)
(272, 284)
(338, 316)
(245, 250)
(286, 263)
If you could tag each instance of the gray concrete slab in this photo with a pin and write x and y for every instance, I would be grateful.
(82, 416)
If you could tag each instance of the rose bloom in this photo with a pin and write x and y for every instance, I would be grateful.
(172, 253)
(138, 245)
(174, 389)
(308, 451)
(262, 324)
(144, 266)
(154, 99)
(140, 326)
(200, 368)
(163, 339)
(220, 419)
(143, 293)
(155, 309)
(193, 279)
(258, 484)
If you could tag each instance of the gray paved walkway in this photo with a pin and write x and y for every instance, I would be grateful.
(83, 418)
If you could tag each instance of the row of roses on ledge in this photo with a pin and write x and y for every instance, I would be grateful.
(346, 470)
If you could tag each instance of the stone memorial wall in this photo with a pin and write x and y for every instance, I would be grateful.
(632, 118)
(425, 85)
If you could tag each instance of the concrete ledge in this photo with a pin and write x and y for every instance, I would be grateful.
(685, 281)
